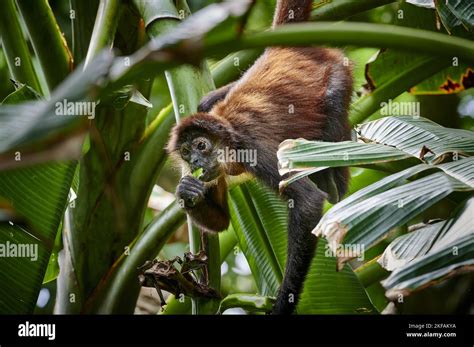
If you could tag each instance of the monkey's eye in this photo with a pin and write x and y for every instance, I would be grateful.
(201, 145)
(184, 151)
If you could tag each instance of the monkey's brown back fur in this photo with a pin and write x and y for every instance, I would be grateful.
(285, 93)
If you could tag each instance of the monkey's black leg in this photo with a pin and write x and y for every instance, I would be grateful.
(303, 217)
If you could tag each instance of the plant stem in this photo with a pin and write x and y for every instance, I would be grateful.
(357, 34)
(145, 247)
(105, 26)
(15, 47)
(342, 9)
(325, 33)
(48, 42)
(67, 282)
(371, 272)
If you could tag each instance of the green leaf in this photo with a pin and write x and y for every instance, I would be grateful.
(15, 46)
(39, 195)
(422, 3)
(157, 10)
(451, 80)
(299, 155)
(327, 291)
(52, 270)
(424, 239)
(410, 246)
(359, 58)
(207, 24)
(391, 63)
(40, 134)
(105, 26)
(423, 68)
(47, 40)
(455, 13)
(260, 248)
(368, 215)
(393, 71)
(197, 173)
(259, 219)
(23, 92)
(432, 269)
(385, 140)
(418, 137)
(82, 25)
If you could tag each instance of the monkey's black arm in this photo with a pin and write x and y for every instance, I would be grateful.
(211, 213)
(208, 101)
(333, 182)
(207, 206)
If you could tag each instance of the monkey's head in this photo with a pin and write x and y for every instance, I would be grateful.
(198, 141)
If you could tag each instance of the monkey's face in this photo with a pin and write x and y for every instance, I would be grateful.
(200, 151)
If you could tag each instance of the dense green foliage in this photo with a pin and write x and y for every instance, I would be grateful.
(91, 188)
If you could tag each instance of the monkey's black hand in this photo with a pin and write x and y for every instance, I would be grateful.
(190, 191)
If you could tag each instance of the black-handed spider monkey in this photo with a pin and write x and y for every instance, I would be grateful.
(288, 93)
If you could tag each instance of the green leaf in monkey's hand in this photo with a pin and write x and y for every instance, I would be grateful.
(197, 173)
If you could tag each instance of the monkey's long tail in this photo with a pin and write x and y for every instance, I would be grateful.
(290, 11)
